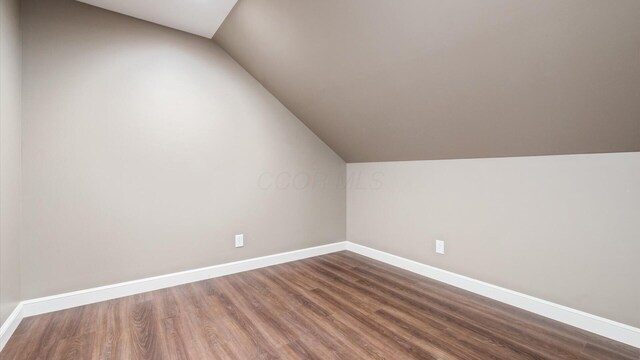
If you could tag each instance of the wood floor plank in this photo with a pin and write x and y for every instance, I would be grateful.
(464, 317)
(310, 323)
(526, 320)
(145, 332)
(358, 337)
(336, 306)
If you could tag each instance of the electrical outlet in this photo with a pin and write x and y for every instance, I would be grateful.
(440, 246)
(239, 240)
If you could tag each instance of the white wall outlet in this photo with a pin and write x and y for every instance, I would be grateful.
(440, 246)
(239, 240)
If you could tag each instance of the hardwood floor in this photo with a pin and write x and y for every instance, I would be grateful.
(337, 306)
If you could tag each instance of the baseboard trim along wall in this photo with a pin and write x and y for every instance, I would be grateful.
(89, 296)
(10, 325)
(94, 295)
(595, 324)
(582, 320)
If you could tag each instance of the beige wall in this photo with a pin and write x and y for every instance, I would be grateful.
(561, 228)
(145, 150)
(10, 90)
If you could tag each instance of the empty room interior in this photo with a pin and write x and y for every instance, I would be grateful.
(320, 179)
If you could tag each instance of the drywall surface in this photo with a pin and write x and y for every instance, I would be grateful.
(383, 80)
(561, 228)
(10, 108)
(146, 150)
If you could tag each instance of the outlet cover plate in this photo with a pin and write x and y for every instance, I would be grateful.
(239, 240)
(440, 246)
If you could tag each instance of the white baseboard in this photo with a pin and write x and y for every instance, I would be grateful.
(94, 295)
(601, 326)
(10, 325)
(585, 321)
(89, 296)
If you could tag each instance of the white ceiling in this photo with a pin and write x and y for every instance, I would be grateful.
(200, 17)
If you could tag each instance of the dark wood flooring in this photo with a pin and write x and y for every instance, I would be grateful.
(337, 306)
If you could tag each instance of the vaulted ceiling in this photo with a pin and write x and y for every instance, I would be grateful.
(382, 80)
